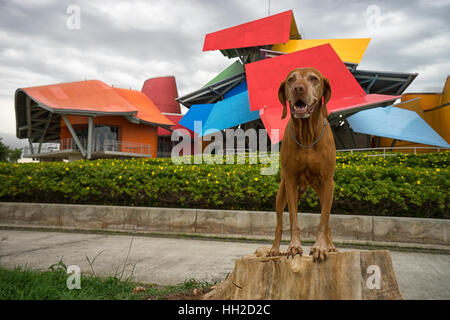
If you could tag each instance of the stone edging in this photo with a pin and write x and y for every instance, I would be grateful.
(222, 222)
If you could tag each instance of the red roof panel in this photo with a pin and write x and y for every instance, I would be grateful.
(264, 78)
(163, 92)
(175, 119)
(265, 31)
(271, 117)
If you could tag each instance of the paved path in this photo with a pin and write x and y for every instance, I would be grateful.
(173, 260)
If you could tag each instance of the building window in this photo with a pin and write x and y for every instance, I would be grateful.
(164, 146)
(106, 138)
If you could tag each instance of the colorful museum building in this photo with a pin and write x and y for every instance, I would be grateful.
(90, 119)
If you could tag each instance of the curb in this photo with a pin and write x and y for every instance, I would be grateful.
(225, 223)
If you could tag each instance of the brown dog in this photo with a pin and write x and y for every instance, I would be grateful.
(308, 157)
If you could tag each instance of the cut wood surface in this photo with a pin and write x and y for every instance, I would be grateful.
(360, 275)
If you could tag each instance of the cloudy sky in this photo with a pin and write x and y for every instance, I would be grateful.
(125, 42)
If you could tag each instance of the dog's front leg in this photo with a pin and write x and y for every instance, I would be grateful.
(323, 243)
(279, 207)
(292, 201)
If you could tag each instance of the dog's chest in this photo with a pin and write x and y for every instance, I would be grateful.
(306, 167)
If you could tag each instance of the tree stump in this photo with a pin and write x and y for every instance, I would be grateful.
(355, 275)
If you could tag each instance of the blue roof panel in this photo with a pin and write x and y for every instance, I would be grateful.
(396, 123)
(198, 112)
(238, 89)
(229, 112)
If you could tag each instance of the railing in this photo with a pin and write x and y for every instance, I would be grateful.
(123, 146)
(98, 147)
(389, 149)
(67, 144)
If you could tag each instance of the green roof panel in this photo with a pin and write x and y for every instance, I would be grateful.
(234, 69)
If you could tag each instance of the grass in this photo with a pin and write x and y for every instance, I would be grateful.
(22, 283)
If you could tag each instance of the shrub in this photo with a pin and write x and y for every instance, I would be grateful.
(402, 185)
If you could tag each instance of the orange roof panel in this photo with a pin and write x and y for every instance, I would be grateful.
(91, 96)
(147, 111)
(96, 97)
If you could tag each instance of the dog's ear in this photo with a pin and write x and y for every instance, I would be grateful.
(282, 98)
(326, 96)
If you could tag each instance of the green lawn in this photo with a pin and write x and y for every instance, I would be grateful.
(26, 284)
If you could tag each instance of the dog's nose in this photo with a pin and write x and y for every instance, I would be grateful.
(300, 88)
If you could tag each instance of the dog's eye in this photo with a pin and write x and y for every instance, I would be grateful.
(313, 79)
(291, 79)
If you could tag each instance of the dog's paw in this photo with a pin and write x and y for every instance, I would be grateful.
(332, 249)
(320, 251)
(293, 250)
(274, 252)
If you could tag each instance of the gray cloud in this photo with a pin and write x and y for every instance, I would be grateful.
(125, 42)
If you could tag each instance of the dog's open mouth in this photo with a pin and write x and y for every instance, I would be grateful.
(301, 109)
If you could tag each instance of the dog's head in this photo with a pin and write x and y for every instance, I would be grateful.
(304, 89)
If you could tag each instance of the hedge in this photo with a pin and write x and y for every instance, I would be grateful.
(401, 185)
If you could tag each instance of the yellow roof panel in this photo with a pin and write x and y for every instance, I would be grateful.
(427, 100)
(413, 104)
(446, 92)
(349, 50)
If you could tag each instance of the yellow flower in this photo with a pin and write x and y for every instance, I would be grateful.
(418, 181)
(256, 179)
(87, 188)
(437, 169)
(217, 181)
(187, 182)
(120, 177)
(342, 189)
(67, 169)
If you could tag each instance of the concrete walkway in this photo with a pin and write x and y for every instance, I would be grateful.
(173, 260)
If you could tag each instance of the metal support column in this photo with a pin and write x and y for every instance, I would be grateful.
(90, 137)
(47, 124)
(74, 136)
(28, 110)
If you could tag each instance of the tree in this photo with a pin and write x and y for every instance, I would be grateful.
(4, 151)
(7, 154)
(15, 155)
